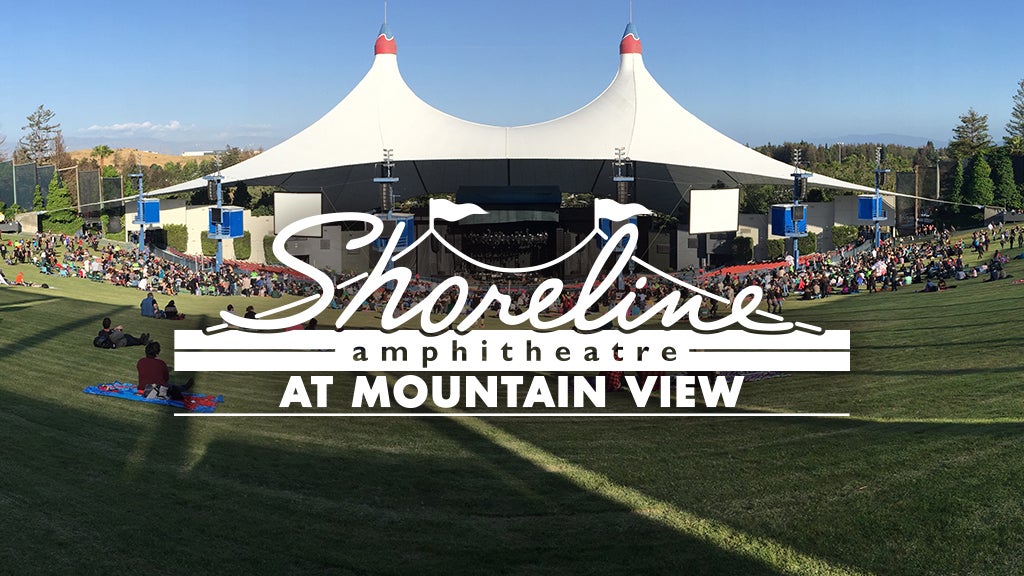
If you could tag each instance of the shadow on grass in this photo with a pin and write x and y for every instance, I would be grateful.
(22, 299)
(444, 501)
(24, 341)
(872, 495)
(972, 342)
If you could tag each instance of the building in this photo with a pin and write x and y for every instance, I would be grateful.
(520, 171)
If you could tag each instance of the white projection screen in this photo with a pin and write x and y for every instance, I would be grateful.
(292, 206)
(714, 210)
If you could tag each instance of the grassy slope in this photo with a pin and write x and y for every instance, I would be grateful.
(924, 478)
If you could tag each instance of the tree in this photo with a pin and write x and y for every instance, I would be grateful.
(61, 215)
(971, 137)
(956, 196)
(1006, 193)
(980, 189)
(38, 203)
(1016, 145)
(61, 157)
(38, 143)
(240, 196)
(101, 152)
(1015, 127)
(756, 199)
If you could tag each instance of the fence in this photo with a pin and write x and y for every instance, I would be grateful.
(197, 263)
(94, 194)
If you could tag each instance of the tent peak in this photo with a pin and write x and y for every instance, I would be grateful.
(385, 43)
(630, 41)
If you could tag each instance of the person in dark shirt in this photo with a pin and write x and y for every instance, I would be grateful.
(250, 312)
(154, 377)
(116, 337)
(171, 311)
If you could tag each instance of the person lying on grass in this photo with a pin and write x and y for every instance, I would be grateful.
(116, 338)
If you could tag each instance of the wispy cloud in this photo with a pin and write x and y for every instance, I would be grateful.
(129, 128)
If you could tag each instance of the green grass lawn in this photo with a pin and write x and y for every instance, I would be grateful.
(924, 477)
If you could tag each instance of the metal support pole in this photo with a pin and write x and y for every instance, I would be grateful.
(624, 194)
(138, 214)
(876, 215)
(797, 177)
(917, 201)
(220, 227)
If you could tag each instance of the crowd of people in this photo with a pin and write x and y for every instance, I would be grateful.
(84, 256)
(932, 261)
(929, 261)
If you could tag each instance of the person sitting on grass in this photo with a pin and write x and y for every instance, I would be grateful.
(116, 338)
(154, 377)
(171, 312)
(148, 306)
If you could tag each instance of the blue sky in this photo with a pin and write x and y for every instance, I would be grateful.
(197, 74)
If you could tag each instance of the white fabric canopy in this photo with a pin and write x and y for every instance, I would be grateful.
(634, 113)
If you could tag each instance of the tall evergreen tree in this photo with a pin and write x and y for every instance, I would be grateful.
(60, 208)
(37, 200)
(971, 137)
(1006, 193)
(957, 194)
(980, 189)
(38, 143)
(1015, 127)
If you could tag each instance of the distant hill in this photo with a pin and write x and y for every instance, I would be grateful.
(143, 157)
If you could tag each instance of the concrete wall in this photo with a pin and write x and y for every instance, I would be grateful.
(846, 211)
(755, 226)
(821, 217)
(29, 222)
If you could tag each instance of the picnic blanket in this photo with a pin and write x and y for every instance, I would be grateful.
(128, 391)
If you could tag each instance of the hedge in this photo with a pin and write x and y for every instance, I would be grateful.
(209, 246)
(68, 228)
(743, 249)
(177, 237)
(268, 250)
(243, 246)
(776, 248)
(843, 235)
(808, 244)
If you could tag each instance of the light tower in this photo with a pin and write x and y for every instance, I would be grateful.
(215, 229)
(623, 181)
(391, 219)
(139, 219)
(799, 212)
(878, 213)
(386, 180)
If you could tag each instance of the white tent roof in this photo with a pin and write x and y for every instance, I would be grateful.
(634, 113)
